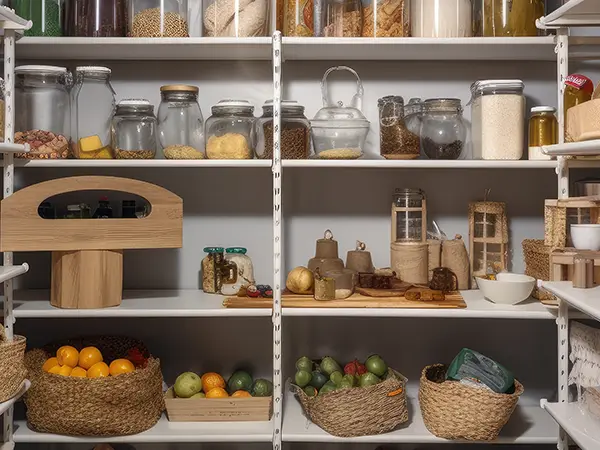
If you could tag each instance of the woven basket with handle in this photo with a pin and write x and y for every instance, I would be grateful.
(454, 411)
(12, 365)
(111, 406)
(360, 411)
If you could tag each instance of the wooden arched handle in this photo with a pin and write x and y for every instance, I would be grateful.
(22, 229)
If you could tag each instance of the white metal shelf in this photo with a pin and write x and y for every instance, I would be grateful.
(419, 164)
(582, 428)
(584, 148)
(173, 163)
(9, 272)
(163, 432)
(585, 300)
(4, 406)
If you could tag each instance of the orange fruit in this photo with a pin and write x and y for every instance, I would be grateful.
(65, 371)
(89, 356)
(241, 394)
(217, 392)
(55, 370)
(49, 364)
(100, 369)
(211, 380)
(119, 366)
(79, 372)
(67, 356)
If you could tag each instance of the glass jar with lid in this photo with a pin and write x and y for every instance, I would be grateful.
(93, 107)
(180, 122)
(507, 17)
(134, 130)
(396, 141)
(96, 18)
(244, 270)
(386, 18)
(295, 131)
(343, 18)
(498, 119)
(340, 131)
(441, 18)
(213, 268)
(43, 111)
(224, 18)
(344, 281)
(229, 133)
(46, 15)
(443, 129)
(543, 130)
(158, 18)
(409, 215)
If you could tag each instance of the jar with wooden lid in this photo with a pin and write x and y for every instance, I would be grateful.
(295, 131)
(543, 130)
(499, 18)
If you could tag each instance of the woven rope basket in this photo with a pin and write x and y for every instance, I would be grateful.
(453, 411)
(12, 365)
(112, 406)
(537, 265)
(359, 411)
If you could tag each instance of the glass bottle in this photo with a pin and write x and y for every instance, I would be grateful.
(443, 130)
(93, 100)
(229, 130)
(42, 111)
(96, 18)
(507, 17)
(104, 210)
(295, 131)
(386, 18)
(158, 18)
(46, 16)
(543, 130)
(224, 18)
(180, 123)
(134, 130)
(441, 18)
(128, 209)
(409, 210)
(343, 18)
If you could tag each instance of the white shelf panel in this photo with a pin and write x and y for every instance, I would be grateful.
(97, 49)
(585, 300)
(582, 428)
(9, 272)
(142, 303)
(477, 308)
(174, 163)
(573, 14)
(7, 404)
(585, 148)
(528, 425)
(430, 49)
(163, 432)
(419, 164)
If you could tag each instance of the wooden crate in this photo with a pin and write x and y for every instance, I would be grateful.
(242, 409)
(560, 214)
(562, 261)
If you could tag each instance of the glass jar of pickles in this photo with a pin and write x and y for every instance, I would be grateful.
(507, 17)
(543, 130)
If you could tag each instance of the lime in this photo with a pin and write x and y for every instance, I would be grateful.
(262, 388)
(239, 381)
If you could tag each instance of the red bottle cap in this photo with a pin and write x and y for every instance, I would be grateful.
(580, 82)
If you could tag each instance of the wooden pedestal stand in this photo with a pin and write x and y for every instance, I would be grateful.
(87, 254)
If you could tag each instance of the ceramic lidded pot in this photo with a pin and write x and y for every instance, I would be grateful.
(326, 255)
(360, 259)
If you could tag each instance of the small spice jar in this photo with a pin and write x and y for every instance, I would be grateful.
(94, 18)
(212, 270)
(134, 130)
(343, 18)
(344, 281)
(224, 18)
(295, 131)
(443, 129)
(543, 130)
(180, 122)
(229, 130)
(244, 275)
(396, 141)
(46, 16)
(158, 18)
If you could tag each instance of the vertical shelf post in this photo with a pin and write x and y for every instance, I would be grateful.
(562, 55)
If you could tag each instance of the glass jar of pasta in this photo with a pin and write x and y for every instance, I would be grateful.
(386, 18)
(343, 18)
(507, 17)
(298, 18)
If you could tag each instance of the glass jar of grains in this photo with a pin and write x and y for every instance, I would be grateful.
(46, 16)
(507, 17)
(229, 130)
(158, 18)
(134, 130)
(443, 129)
(298, 18)
(43, 111)
(543, 130)
(441, 18)
(343, 18)
(386, 18)
(396, 141)
(94, 18)
(295, 131)
(224, 18)
(213, 268)
(244, 271)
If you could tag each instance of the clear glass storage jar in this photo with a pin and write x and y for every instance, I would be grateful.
(93, 107)
(441, 18)
(134, 130)
(343, 18)
(245, 18)
(413, 115)
(244, 271)
(344, 281)
(298, 17)
(386, 18)
(158, 18)
(507, 17)
(96, 18)
(409, 214)
(498, 119)
(46, 15)
(543, 130)
(229, 132)
(395, 140)
(43, 111)
(180, 122)
(295, 131)
(443, 129)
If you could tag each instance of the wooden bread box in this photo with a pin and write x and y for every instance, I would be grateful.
(87, 254)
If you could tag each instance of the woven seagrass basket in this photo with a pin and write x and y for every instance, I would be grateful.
(111, 406)
(454, 411)
(12, 365)
(360, 411)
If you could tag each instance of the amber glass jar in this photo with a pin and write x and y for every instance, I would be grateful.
(578, 89)
(543, 130)
(507, 17)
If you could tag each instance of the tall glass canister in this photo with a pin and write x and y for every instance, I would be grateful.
(46, 16)
(226, 18)
(507, 17)
(96, 18)
(386, 18)
(158, 18)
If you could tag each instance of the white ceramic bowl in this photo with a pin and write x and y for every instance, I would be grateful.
(586, 236)
(507, 289)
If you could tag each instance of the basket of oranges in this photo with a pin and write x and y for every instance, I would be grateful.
(96, 386)
(12, 366)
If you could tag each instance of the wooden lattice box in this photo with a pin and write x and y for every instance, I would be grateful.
(560, 214)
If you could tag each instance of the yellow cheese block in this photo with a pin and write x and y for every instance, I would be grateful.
(90, 144)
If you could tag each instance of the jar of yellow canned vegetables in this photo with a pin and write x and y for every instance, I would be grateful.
(507, 17)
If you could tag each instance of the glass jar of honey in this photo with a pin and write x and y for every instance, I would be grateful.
(543, 130)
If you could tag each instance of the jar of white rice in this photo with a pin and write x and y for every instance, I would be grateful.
(498, 119)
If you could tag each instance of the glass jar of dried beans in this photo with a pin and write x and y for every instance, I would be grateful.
(295, 131)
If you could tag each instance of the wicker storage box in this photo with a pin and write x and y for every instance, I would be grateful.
(358, 411)
(111, 406)
(454, 411)
(12, 365)
(583, 122)
(537, 265)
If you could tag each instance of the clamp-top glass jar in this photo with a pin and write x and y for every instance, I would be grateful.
(158, 18)
(134, 130)
(295, 131)
(43, 111)
(180, 123)
(91, 125)
(443, 130)
(96, 18)
(229, 130)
